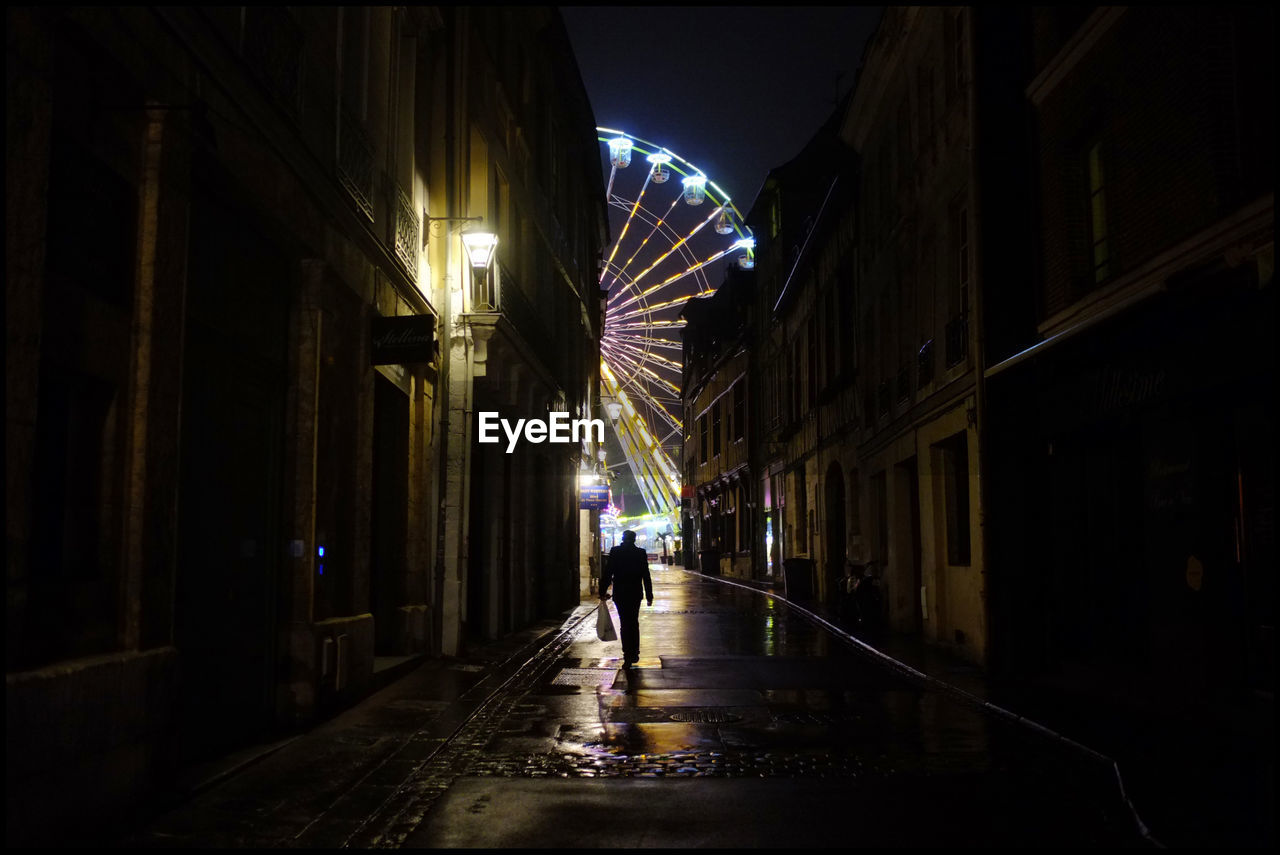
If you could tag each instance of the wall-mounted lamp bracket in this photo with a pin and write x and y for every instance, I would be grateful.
(432, 221)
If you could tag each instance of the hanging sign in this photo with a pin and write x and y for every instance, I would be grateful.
(399, 341)
(593, 497)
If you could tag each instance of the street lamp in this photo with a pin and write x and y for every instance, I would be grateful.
(614, 409)
(479, 244)
(480, 247)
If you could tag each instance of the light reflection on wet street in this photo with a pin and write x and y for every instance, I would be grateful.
(740, 708)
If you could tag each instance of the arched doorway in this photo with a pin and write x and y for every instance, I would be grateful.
(834, 551)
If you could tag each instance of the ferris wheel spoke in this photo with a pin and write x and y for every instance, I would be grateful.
(679, 251)
(666, 304)
(642, 371)
(648, 399)
(684, 240)
(627, 225)
(676, 278)
(644, 354)
(647, 341)
(682, 253)
(656, 224)
(650, 325)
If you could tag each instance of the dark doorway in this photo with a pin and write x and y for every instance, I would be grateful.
(907, 473)
(229, 546)
(836, 540)
(389, 524)
(479, 547)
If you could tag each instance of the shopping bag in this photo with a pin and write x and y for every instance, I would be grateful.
(604, 624)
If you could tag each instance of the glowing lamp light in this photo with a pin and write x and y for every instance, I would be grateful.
(601, 454)
(614, 409)
(659, 173)
(744, 243)
(620, 152)
(480, 247)
(695, 189)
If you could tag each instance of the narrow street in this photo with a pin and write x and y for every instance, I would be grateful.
(745, 724)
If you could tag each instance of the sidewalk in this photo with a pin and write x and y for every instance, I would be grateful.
(316, 788)
(1197, 776)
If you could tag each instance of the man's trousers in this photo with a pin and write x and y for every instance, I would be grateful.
(629, 617)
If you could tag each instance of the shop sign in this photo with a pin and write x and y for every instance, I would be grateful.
(403, 340)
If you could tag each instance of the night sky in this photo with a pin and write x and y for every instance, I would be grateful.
(735, 90)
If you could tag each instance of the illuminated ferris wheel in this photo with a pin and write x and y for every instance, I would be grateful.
(672, 225)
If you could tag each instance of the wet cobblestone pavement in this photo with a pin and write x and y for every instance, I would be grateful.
(745, 723)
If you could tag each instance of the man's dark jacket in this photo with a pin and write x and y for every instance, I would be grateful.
(628, 569)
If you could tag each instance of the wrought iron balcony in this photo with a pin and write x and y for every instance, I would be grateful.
(355, 162)
(408, 233)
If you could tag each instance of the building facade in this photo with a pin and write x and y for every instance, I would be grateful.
(804, 367)
(719, 519)
(1136, 418)
(223, 514)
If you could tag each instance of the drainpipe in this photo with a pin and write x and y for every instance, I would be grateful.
(978, 336)
(446, 325)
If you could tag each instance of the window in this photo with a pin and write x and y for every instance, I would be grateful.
(802, 513)
(832, 351)
(702, 436)
(405, 113)
(740, 409)
(855, 506)
(355, 61)
(879, 491)
(794, 380)
(813, 361)
(500, 211)
(903, 148)
(962, 258)
(1100, 248)
(728, 522)
(715, 429)
(953, 455)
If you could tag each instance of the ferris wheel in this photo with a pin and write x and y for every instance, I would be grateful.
(672, 225)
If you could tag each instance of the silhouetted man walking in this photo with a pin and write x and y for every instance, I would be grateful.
(628, 570)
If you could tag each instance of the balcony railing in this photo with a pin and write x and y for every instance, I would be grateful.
(355, 163)
(408, 233)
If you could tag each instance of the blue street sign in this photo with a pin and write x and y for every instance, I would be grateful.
(593, 498)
